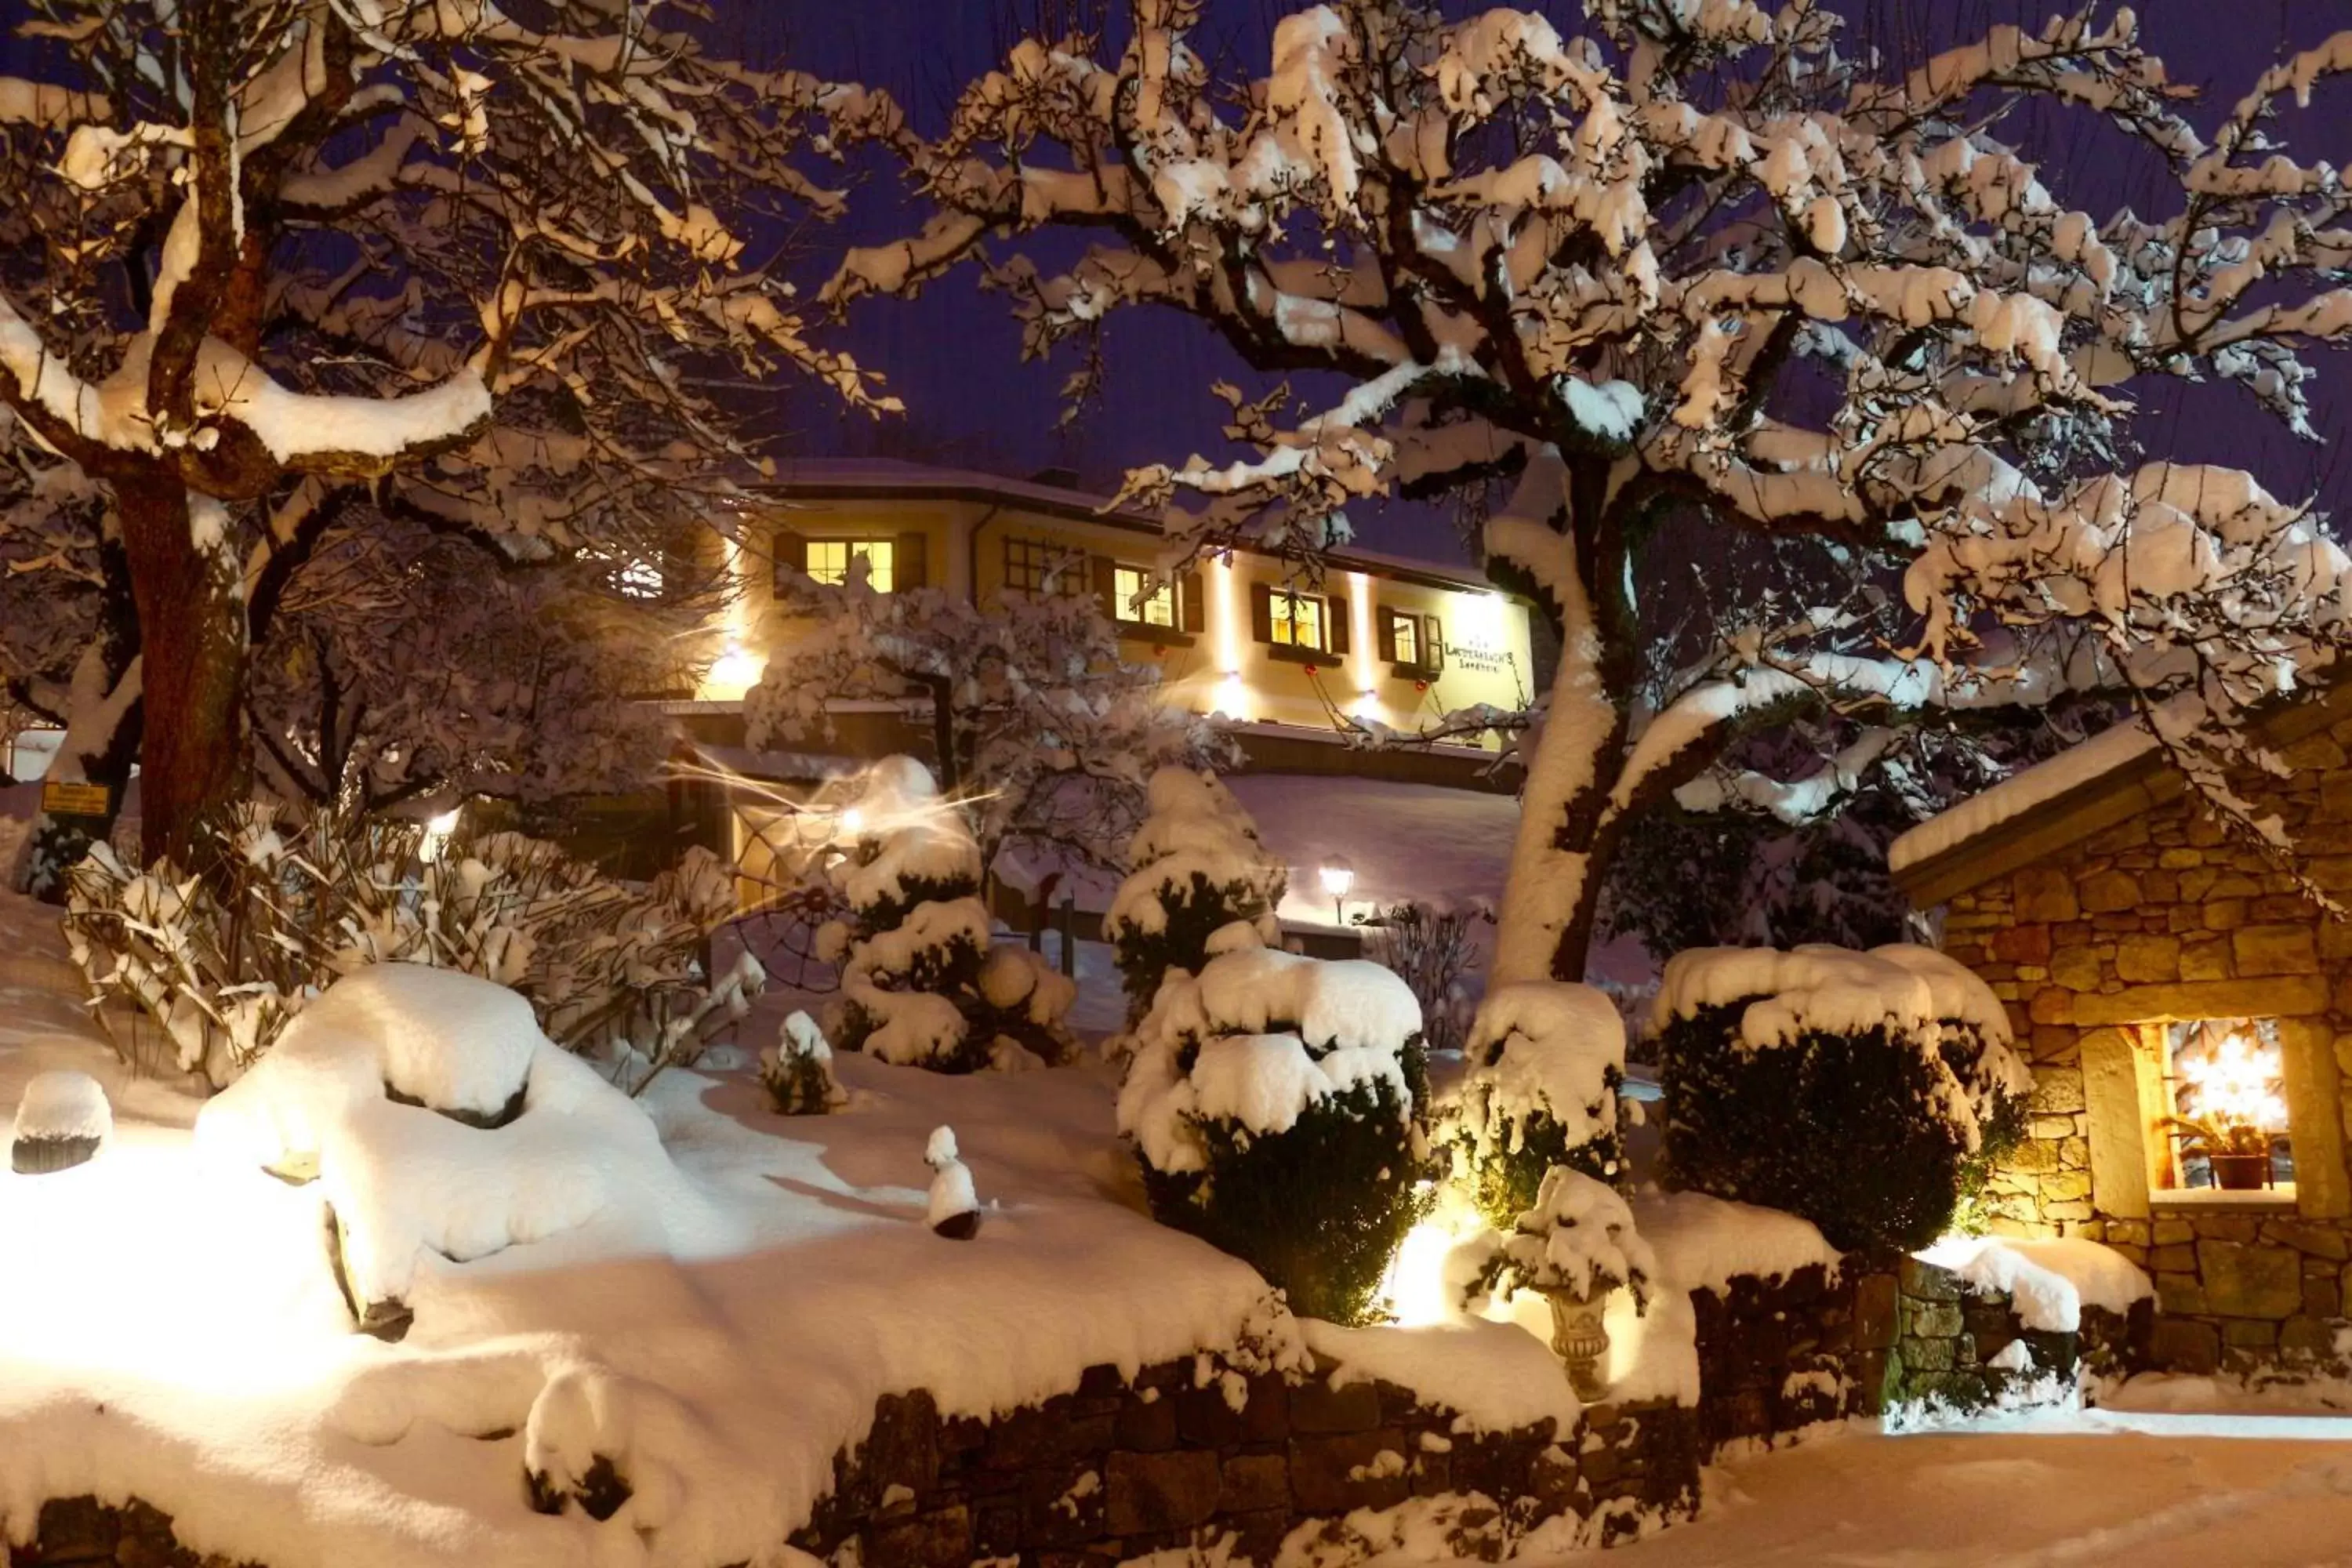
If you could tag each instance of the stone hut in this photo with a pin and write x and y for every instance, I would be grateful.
(2137, 939)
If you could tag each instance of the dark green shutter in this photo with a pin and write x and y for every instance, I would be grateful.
(1261, 612)
(1336, 635)
(911, 563)
(790, 555)
(1190, 613)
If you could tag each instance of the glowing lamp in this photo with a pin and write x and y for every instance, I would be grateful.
(852, 821)
(1337, 876)
(437, 829)
(734, 670)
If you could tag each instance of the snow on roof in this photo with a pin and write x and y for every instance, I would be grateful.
(2022, 793)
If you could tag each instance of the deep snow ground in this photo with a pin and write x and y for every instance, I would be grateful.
(2060, 1491)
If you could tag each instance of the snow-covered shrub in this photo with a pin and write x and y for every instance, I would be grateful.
(437, 1117)
(1431, 945)
(1546, 1060)
(920, 984)
(1273, 1099)
(1577, 1236)
(797, 1070)
(1862, 1090)
(223, 964)
(1200, 872)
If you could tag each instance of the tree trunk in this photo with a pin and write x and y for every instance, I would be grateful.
(101, 740)
(185, 580)
(1557, 859)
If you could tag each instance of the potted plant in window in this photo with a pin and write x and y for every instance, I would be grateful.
(2239, 1152)
(1575, 1247)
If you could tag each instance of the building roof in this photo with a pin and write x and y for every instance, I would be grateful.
(2116, 774)
(831, 479)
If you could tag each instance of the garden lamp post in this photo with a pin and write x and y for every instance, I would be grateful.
(1337, 876)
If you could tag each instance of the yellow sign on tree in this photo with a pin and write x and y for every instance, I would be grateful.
(74, 799)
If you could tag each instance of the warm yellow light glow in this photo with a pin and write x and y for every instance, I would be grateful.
(732, 673)
(437, 833)
(852, 821)
(2233, 1082)
(1415, 1284)
(1337, 875)
(1363, 664)
(1231, 696)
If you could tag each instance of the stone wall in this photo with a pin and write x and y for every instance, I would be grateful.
(2167, 916)
(1776, 1356)
(1124, 1467)
(82, 1533)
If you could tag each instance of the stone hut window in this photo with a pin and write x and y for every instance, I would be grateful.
(2224, 1128)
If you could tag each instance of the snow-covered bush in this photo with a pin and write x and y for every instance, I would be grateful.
(1273, 1103)
(1038, 721)
(1202, 883)
(223, 964)
(1433, 945)
(1862, 1090)
(920, 984)
(797, 1070)
(1576, 1237)
(1546, 1060)
(383, 1093)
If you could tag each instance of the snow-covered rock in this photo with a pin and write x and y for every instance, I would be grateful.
(62, 1120)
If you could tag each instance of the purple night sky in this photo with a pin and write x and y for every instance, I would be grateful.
(953, 354)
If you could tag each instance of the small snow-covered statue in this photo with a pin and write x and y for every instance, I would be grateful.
(954, 1207)
(60, 1122)
(797, 1070)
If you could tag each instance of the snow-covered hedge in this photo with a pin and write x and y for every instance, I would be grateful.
(223, 964)
(1545, 1059)
(1273, 1102)
(920, 984)
(1202, 883)
(1865, 1091)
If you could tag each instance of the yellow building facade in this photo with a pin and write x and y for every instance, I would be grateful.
(1240, 634)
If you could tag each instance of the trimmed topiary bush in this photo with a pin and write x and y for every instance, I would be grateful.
(920, 984)
(1545, 1059)
(1867, 1092)
(1201, 884)
(1273, 1103)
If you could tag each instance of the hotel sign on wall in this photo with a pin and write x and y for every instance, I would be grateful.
(1480, 656)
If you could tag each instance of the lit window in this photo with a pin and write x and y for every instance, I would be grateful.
(1130, 603)
(1297, 620)
(2228, 1123)
(829, 559)
(1406, 630)
(1032, 566)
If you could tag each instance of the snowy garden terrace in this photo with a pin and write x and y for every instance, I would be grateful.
(1369, 637)
(2142, 946)
(686, 1330)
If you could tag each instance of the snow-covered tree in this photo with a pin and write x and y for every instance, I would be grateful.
(1275, 1104)
(1034, 717)
(1203, 883)
(261, 256)
(1694, 265)
(920, 982)
(403, 666)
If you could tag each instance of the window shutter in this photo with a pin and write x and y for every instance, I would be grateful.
(1190, 613)
(790, 557)
(909, 562)
(1261, 613)
(1433, 657)
(1106, 585)
(1384, 627)
(1335, 640)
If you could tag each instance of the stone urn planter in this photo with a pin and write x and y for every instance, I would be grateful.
(1579, 1338)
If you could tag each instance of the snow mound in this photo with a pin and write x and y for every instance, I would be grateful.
(2022, 791)
(1703, 1242)
(60, 1105)
(406, 1178)
(1268, 1033)
(1495, 1377)
(2050, 1280)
